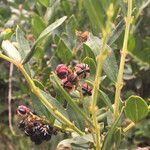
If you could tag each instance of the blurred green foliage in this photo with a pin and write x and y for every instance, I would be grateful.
(62, 46)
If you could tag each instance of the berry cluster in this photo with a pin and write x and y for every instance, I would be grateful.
(33, 126)
(70, 77)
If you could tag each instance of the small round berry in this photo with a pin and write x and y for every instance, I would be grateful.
(62, 71)
(21, 124)
(50, 128)
(23, 110)
(72, 78)
(36, 138)
(45, 132)
(67, 85)
(82, 70)
(36, 123)
(55, 131)
(28, 131)
(86, 90)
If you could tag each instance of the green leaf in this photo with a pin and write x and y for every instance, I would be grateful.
(106, 100)
(136, 108)
(23, 44)
(95, 13)
(63, 52)
(38, 84)
(45, 33)
(104, 97)
(117, 138)
(108, 141)
(110, 65)
(11, 51)
(114, 35)
(77, 119)
(94, 43)
(71, 27)
(51, 27)
(37, 25)
(44, 2)
(56, 105)
(87, 52)
(77, 143)
(70, 101)
(91, 63)
(139, 49)
(41, 109)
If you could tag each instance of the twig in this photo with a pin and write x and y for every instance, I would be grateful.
(37, 92)
(131, 125)
(100, 60)
(9, 98)
(119, 83)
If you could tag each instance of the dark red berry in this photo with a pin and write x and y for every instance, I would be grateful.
(72, 78)
(23, 110)
(67, 85)
(86, 90)
(62, 71)
(82, 70)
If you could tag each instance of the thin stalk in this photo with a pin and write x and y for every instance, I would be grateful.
(124, 52)
(37, 92)
(100, 60)
(131, 125)
(63, 128)
(10, 98)
(102, 56)
(94, 100)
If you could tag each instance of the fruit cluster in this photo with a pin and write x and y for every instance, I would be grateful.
(70, 77)
(33, 126)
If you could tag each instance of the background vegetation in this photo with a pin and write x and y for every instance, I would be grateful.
(28, 18)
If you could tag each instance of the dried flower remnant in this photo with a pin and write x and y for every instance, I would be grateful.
(82, 36)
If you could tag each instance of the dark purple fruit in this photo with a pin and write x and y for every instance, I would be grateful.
(21, 124)
(28, 131)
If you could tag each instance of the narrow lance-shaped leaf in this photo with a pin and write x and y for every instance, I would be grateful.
(51, 27)
(38, 25)
(71, 26)
(46, 32)
(11, 51)
(55, 104)
(116, 32)
(70, 100)
(95, 13)
(41, 109)
(108, 142)
(87, 52)
(23, 44)
(110, 65)
(63, 52)
(91, 64)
